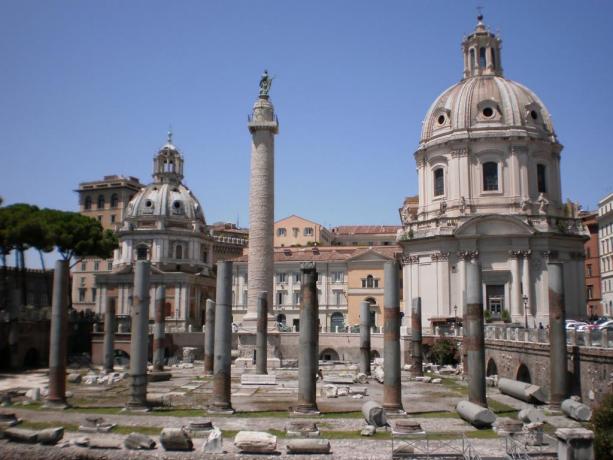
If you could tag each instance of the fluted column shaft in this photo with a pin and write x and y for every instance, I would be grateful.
(58, 346)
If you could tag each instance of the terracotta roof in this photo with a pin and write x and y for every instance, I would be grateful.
(365, 229)
(325, 253)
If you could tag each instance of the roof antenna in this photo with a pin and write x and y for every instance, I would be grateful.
(170, 134)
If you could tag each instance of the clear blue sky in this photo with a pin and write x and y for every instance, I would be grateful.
(89, 88)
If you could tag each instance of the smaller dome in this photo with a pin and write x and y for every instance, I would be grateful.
(486, 106)
(165, 200)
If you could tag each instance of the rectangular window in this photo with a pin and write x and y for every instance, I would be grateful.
(96, 265)
(590, 290)
(245, 296)
(490, 176)
(281, 277)
(295, 231)
(296, 277)
(589, 269)
(109, 265)
(338, 297)
(439, 182)
(83, 266)
(82, 294)
(112, 218)
(337, 277)
(308, 231)
(541, 178)
(281, 231)
(94, 292)
(297, 298)
(280, 298)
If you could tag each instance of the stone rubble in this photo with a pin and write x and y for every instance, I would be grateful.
(255, 442)
(138, 441)
(176, 439)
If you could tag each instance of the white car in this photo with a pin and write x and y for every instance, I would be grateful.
(606, 325)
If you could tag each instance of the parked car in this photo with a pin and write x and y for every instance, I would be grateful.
(608, 324)
(576, 325)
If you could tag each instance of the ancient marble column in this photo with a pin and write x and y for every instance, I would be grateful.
(222, 370)
(416, 338)
(261, 334)
(365, 337)
(474, 340)
(139, 336)
(58, 346)
(308, 355)
(263, 127)
(109, 335)
(209, 337)
(392, 396)
(159, 329)
(526, 280)
(516, 301)
(557, 336)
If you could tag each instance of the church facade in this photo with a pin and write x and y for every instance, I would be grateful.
(489, 188)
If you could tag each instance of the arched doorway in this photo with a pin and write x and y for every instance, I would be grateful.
(492, 369)
(337, 319)
(374, 354)
(523, 374)
(329, 355)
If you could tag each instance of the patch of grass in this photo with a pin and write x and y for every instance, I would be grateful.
(147, 430)
(501, 408)
(179, 412)
(95, 410)
(263, 413)
(351, 414)
(454, 386)
(482, 434)
(378, 436)
(434, 415)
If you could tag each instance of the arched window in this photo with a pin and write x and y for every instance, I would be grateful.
(439, 182)
(490, 176)
(473, 60)
(179, 251)
(142, 252)
(482, 57)
(88, 202)
(100, 201)
(114, 200)
(541, 178)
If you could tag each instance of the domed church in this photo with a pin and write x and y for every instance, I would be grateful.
(164, 223)
(488, 165)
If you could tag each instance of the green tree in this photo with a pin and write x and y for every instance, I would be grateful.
(444, 351)
(602, 424)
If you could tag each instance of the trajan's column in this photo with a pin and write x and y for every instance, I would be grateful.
(263, 125)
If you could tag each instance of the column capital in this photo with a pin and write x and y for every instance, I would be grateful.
(527, 253)
(468, 255)
(408, 260)
(461, 152)
(515, 254)
(442, 256)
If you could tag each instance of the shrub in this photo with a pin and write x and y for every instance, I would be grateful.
(487, 316)
(506, 317)
(602, 424)
(444, 352)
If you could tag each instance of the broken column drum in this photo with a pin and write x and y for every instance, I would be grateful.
(221, 400)
(109, 335)
(261, 334)
(365, 337)
(308, 357)
(416, 339)
(209, 337)
(392, 397)
(139, 335)
(557, 336)
(159, 335)
(474, 341)
(59, 335)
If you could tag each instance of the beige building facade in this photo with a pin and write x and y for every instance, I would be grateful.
(296, 231)
(105, 200)
(346, 277)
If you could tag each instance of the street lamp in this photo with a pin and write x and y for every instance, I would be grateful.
(455, 313)
(525, 299)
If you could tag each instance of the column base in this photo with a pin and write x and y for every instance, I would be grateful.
(58, 404)
(220, 410)
(136, 407)
(304, 410)
(394, 411)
